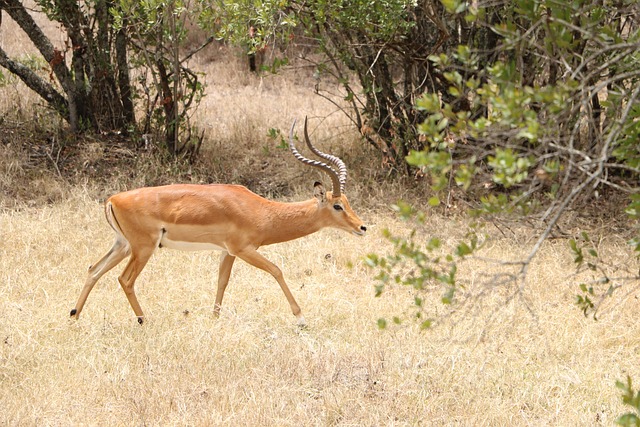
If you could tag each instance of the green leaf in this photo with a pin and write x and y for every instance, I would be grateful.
(382, 323)
(429, 102)
(417, 158)
(630, 420)
(463, 249)
(454, 6)
(447, 298)
(426, 324)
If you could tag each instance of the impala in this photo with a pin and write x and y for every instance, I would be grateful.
(228, 218)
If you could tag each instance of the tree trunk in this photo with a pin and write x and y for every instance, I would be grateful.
(53, 56)
(168, 104)
(89, 98)
(37, 84)
(123, 76)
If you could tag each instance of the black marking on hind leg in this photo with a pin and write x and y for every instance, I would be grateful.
(163, 233)
(73, 312)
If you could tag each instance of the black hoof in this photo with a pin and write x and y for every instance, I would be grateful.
(140, 320)
(73, 312)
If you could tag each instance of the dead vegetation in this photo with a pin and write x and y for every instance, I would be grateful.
(532, 359)
(517, 356)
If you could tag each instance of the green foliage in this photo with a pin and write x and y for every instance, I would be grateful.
(454, 6)
(106, 44)
(438, 162)
(362, 40)
(75, 78)
(422, 264)
(587, 259)
(633, 210)
(272, 21)
(523, 106)
(519, 109)
(528, 118)
(275, 134)
(380, 20)
(170, 90)
(631, 398)
(579, 251)
(509, 169)
(585, 301)
(34, 62)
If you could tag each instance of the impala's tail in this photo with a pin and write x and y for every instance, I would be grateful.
(112, 220)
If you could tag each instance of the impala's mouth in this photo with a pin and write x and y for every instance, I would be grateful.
(360, 232)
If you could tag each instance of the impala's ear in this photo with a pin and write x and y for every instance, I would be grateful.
(318, 192)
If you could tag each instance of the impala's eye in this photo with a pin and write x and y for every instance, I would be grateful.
(337, 207)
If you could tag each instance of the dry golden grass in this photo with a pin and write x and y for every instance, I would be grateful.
(529, 360)
(252, 366)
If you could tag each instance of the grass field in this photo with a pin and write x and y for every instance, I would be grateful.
(253, 366)
(515, 357)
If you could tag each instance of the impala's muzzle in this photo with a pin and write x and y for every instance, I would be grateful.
(361, 232)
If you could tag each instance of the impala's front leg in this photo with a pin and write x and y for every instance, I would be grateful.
(224, 272)
(254, 258)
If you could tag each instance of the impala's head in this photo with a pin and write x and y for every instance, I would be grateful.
(334, 204)
(337, 211)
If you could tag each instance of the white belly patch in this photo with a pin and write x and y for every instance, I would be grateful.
(189, 246)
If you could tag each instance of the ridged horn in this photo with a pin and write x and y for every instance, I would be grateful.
(335, 178)
(339, 164)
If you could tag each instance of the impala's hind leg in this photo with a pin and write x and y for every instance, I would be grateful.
(117, 253)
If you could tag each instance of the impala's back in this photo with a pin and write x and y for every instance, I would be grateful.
(229, 218)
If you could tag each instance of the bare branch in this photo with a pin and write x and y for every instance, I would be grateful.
(37, 84)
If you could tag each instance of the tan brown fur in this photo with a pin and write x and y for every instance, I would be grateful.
(229, 218)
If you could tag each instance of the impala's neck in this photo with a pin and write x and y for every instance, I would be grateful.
(289, 221)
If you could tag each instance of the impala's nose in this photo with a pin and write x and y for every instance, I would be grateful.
(361, 232)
